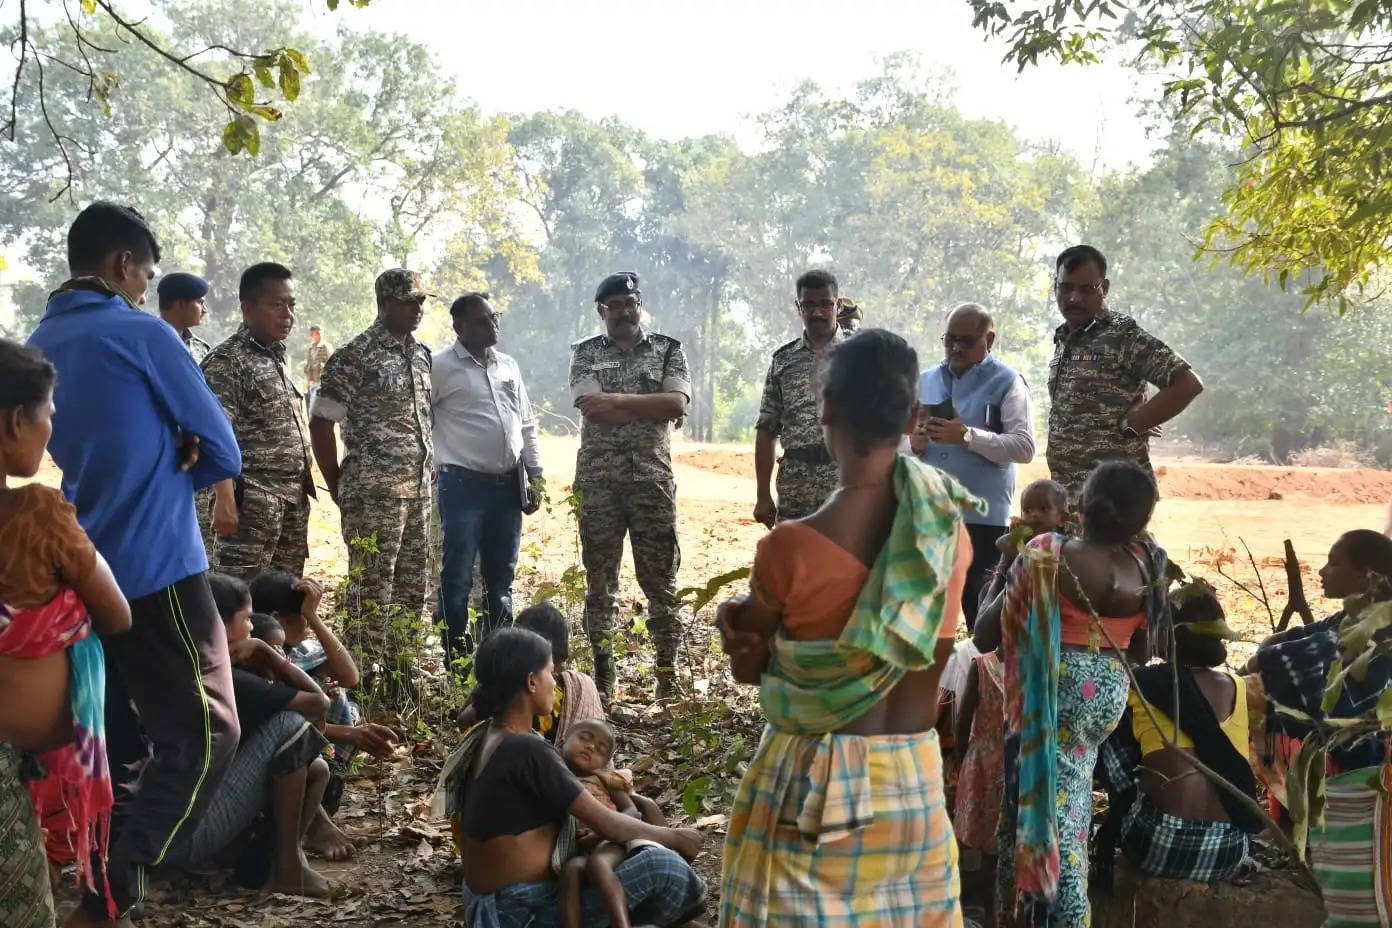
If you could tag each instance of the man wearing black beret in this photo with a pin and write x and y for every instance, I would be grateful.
(182, 303)
(629, 386)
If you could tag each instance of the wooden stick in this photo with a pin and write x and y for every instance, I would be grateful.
(1296, 584)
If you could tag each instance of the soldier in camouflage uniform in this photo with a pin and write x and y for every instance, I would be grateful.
(629, 385)
(377, 389)
(182, 304)
(790, 411)
(1097, 378)
(317, 357)
(247, 374)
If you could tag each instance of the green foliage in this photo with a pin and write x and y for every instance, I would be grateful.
(1301, 88)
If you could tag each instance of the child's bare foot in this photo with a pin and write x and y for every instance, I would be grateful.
(304, 881)
(327, 840)
(81, 918)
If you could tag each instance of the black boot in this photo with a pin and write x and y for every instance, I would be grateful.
(604, 675)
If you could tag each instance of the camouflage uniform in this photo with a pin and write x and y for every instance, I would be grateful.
(378, 390)
(790, 410)
(196, 346)
(624, 473)
(266, 410)
(314, 363)
(1097, 374)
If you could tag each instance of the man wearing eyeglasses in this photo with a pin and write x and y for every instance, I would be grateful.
(1097, 378)
(488, 468)
(976, 424)
(629, 386)
(789, 413)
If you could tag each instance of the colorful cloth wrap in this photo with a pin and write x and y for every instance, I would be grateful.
(78, 780)
(825, 783)
(1030, 626)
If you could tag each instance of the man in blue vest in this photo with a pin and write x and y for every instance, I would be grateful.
(976, 424)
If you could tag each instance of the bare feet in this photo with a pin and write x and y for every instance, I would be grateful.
(327, 840)
(81, 918)
(305, 881)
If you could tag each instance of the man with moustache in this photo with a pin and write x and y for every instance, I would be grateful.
(1097, 378)
(629, 386)
(268, 504)
(986, 432)
(789, 413)
(376, 389)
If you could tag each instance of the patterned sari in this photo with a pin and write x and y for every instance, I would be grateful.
(78, 782)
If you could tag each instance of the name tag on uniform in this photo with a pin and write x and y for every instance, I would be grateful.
(605, 366)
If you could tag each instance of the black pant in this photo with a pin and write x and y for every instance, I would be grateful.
(171, 730)
(984, 557)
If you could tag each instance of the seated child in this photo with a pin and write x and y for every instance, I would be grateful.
(54, 588)
(277, 764)
(312, 646)
(588, 750)
(1043, 509)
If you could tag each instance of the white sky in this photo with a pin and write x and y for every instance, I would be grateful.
(678, 67)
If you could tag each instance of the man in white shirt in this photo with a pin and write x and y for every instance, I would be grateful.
(485, 442)
(976, 424)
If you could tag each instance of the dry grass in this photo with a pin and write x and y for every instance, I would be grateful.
(1343, 454)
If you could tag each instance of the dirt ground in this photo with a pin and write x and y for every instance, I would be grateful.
(689, 760)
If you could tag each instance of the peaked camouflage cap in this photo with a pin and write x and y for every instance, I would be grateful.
(400, 284)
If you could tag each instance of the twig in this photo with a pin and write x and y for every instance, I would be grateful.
(1261, 584)
(13, 121)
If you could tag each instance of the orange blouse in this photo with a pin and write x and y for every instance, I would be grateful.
(42, 548)
(1075, 625)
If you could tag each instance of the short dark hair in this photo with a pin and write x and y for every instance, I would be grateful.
(548, 622)
(502, 664)
(1118, 500)
(816, 279)
(105, 227)
(462, 302)
(1074, 257)
(26, 378)
(1198, 604)
(263, 625)
(230, 595)
(1369, 551)
(253, 277)
(274, 591)
(1057, 494)
(872, 378)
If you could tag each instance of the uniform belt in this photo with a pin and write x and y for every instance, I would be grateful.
(504, 477)
(808, 454)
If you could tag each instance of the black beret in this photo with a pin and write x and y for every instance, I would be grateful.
(182, 286)
(624, 282)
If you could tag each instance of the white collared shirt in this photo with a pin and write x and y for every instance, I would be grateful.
(483, 419)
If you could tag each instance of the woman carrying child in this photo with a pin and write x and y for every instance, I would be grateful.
(514, 794)
(54, 587)
(840, 818)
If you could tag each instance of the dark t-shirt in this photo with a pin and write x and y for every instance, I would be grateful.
(524, 785)
(258, 698)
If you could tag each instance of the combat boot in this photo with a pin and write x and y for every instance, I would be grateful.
(667, 684)
(604, 675)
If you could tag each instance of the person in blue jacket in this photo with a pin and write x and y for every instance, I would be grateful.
(136, 431)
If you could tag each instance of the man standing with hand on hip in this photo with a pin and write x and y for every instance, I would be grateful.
(976, 424)
(484, 433)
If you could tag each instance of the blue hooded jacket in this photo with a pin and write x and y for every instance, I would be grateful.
(127, 388)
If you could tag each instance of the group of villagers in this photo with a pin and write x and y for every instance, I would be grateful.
(842, 816)
(1086, 665)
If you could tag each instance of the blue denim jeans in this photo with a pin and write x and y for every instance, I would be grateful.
(481, 516)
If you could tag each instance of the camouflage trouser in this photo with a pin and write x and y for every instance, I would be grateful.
(647, 513)
(389, 568)
(272, 531)
(203, 505)
(803, 487)
(1069, 466)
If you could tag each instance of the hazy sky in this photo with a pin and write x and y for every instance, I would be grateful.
(677, 67)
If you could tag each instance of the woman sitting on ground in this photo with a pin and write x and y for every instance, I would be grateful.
(1171, 820)
(514, 797)
(1065, 685)
(277, 764)
(840, 818)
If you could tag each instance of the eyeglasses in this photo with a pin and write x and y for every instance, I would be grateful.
(1063, 288)
(814, 305)
(616, 306)
(966, 341)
